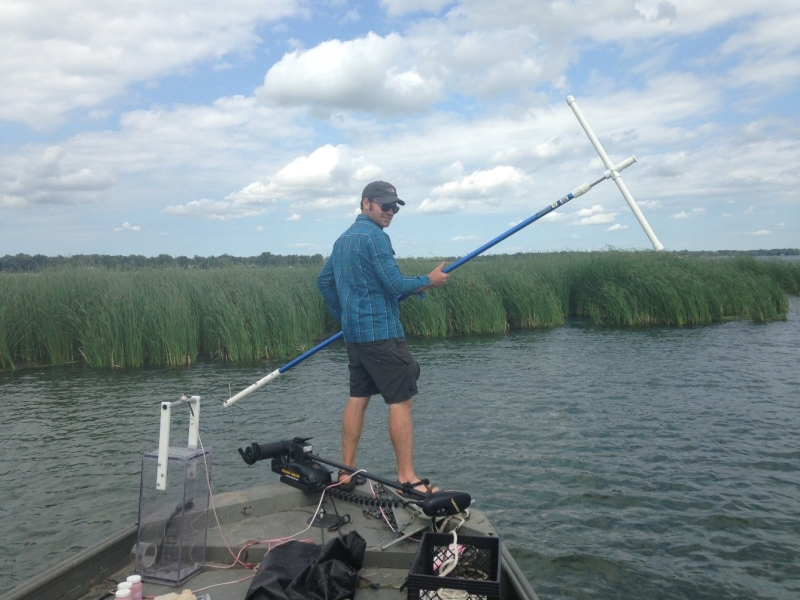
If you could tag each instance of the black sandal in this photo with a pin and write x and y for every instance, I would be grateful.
(350, 485)
(429, 487)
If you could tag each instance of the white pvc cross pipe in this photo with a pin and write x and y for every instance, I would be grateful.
(614, 174)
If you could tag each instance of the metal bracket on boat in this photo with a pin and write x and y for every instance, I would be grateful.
(193, 402)
(405, 536)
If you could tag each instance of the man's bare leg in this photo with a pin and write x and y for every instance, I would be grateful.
(401, 431)
(352, 425)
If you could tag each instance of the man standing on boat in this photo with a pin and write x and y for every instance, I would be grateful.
(360, 283)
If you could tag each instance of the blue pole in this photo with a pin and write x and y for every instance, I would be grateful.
(579, 191)
(449, 268)
(311, 352)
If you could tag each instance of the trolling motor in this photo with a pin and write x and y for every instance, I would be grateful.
(300, 468)
(292, 460)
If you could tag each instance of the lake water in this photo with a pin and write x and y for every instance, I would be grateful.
(616, 463)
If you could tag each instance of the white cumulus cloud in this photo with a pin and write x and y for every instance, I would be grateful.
(477, 192)
(59, 56)
(600, 219)
(213, 209)
(596, 215)
(51, 176)
(128, 227)
(328, 178)
(367, 73)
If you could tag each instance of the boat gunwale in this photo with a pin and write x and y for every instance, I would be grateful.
(79, 573)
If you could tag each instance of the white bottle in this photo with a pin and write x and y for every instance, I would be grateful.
(136, 586)
(123, 593)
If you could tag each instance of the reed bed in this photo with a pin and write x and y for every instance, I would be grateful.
(171, 316)
(161, 317)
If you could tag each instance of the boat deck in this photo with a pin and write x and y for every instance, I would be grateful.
(268, 512)
(278, 511)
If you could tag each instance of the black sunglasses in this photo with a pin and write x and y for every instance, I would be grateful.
(389, 206)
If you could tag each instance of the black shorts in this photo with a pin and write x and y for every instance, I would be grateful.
(385, 367)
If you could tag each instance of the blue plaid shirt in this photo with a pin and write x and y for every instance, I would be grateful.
(361, 281)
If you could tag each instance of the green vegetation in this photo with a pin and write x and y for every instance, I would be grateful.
(170, 316)
(492, 294)
(109, 318)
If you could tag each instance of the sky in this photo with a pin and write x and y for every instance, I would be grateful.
(199, 127)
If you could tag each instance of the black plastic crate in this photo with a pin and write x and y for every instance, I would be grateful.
(477, 572)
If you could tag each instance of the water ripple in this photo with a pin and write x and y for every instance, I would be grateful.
(616, 463)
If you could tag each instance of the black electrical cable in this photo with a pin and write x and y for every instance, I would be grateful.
(367, 501)
(340, 520)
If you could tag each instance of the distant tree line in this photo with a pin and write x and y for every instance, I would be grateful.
(25, 263)
(721, 253)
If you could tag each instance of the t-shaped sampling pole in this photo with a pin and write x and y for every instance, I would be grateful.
(578, 191)
(615, 175)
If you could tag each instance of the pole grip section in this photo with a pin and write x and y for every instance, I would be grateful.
(581, 190)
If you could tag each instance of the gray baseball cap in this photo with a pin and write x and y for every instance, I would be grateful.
(381, 191)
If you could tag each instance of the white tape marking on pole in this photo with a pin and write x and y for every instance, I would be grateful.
(613, 173)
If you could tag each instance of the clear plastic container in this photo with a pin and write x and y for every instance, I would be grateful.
(173, 523)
